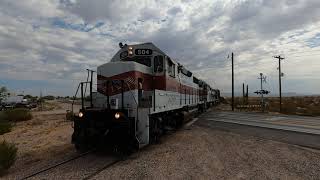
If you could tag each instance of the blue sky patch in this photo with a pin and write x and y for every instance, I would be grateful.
(85, 27)
(34, 87)
(314, 42)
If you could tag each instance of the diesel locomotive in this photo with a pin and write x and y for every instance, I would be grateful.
(141, 93)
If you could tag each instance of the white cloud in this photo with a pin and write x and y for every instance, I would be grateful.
(199, 34)
(28, 10)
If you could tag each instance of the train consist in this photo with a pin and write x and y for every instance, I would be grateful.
(141, 93)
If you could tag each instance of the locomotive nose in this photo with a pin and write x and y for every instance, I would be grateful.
(120, 84)
(129, 72)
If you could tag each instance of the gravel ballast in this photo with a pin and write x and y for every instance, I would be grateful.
(207, 153)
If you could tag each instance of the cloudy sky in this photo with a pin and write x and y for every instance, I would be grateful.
(46, 45)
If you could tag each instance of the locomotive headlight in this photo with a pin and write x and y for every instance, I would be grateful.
(80, 114)
(117, 115)
(130, 48)
(130, 52)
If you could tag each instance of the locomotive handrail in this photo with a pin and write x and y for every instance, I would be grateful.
(131, 93)
(85, 90)
(74, 97)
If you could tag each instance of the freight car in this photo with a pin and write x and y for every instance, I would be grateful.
(141, 93)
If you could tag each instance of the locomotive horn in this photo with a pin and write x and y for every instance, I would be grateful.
(120, 45)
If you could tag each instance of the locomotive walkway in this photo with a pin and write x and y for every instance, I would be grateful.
(299, 130)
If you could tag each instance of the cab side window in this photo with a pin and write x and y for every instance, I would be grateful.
(158, 64)
(171, 68)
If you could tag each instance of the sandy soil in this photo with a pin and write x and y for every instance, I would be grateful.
(43, 137)
(202, 153)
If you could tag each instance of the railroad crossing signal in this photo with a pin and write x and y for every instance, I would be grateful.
(262, 92)
(263, 79)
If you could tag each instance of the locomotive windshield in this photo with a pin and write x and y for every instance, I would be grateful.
(140, 59)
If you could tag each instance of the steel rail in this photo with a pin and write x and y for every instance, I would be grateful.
(102, 169)
(56, 165)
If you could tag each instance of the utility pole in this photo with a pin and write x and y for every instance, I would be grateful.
(243, 95)
(232, 82)
(280, 74)
(247, 95)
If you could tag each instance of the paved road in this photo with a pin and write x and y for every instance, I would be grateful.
(284, 122)
(299, 130)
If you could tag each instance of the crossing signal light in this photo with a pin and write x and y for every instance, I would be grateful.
(262, 92)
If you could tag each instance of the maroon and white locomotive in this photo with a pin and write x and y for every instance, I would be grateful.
(141, 93)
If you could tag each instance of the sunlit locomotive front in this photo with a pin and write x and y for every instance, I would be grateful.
(141, 93)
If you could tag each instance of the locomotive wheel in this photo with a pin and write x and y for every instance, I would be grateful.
(178, 118)
(124, 150)
(156, 130)
(80, 143)
(81, 147)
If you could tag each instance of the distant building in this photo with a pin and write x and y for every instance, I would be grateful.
(14, 100)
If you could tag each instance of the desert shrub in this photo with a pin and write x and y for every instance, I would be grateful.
(223, 100)
(273, 106)
(48, 97)
(289, 108)
(313, 111)
(19, 114)
(306, 106)
(8, 154)
(5, 126)
(69, 115)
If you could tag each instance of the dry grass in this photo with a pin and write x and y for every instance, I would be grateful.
(69, 115)
(9, 117)
(5, 126)
(15, 115)
(301, 105)
(48, 106)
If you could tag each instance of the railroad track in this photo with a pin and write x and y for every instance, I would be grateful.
(101, 169)
(57, 165)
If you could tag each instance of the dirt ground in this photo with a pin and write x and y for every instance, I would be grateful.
(202, 153)
(46, 135)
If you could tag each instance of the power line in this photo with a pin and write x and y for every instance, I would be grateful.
(307, 55)
(298, 52)
(228, 67)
